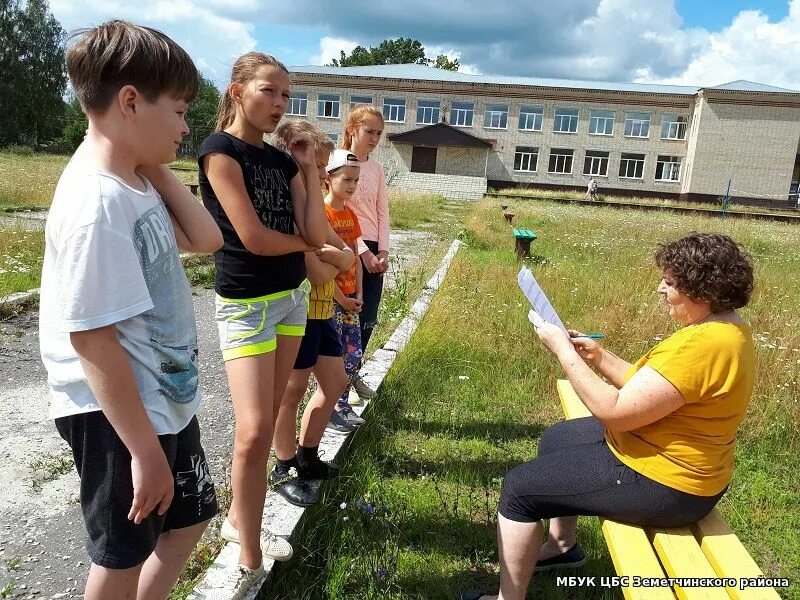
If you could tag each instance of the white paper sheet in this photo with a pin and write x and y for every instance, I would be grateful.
(538, 299)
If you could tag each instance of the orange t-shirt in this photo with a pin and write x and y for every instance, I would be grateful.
(345, 224)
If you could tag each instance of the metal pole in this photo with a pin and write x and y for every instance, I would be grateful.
(726, 199)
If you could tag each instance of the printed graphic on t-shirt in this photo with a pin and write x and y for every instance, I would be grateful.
(271, 197)
(171, 320)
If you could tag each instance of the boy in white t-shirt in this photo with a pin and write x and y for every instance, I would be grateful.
(117, 329)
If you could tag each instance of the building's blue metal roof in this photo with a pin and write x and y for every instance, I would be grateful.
(742, 85)
(421, 72)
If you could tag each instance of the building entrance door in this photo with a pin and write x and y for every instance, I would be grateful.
(423, 159)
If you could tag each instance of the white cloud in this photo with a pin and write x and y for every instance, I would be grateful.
(330, 48)
(212, 38)
(751, 48)
(432, 51)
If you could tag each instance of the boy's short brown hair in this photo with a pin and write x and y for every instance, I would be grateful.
(283, 135)
(105, 58)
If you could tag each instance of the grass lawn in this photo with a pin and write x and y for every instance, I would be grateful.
(413, 514)
(21, 255)
(28, 182)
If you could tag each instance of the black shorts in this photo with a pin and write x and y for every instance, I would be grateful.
(576, 473)
(320, 339)
(104, 466)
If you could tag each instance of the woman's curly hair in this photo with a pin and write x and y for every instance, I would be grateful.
(709, 267)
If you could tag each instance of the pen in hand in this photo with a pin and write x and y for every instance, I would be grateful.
(593, 336)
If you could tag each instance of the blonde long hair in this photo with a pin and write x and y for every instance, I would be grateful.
(357, 115)
(244, 71)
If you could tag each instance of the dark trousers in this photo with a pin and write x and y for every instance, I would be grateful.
(373, 289)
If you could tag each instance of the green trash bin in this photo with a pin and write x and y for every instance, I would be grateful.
(523, 239)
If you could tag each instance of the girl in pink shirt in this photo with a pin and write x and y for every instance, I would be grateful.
(362, 133)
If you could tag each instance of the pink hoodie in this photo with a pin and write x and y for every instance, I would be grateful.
(371, 205)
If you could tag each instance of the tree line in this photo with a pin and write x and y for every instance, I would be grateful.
(38, 110)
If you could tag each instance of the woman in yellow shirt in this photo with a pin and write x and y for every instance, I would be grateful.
(658, 450)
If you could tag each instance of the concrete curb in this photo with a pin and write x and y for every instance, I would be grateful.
(279, 516)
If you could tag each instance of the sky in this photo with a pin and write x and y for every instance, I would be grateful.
(689, 42)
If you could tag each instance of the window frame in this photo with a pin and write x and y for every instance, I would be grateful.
(678, 123)
(355, 103)
(323, 100)
(396, 105)
(530, 152)
(596, 118)
(603, 161)
(558, 118)
(489, 113)
(561, 152)
(623, 161)
(466, 111)
(674, 160)
(434, 109)
(528, 110)
(302, 98)
(634, 121)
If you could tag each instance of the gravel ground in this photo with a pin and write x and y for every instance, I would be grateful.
(42, 551)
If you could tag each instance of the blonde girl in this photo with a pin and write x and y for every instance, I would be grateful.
(269, 208)
(362, 134)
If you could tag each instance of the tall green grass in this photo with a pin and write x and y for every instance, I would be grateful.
(472, 392)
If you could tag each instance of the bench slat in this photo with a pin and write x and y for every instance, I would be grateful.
(632, 554)
(682, 557)
(573, 407)
(729, 557)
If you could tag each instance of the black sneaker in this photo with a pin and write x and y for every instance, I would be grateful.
(276, 478)
(319, 469)
(299, 492)
(350, 415)
(571, 559)
(338, 425)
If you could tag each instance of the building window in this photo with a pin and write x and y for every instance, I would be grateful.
(334, 138)
(394, 110)
(566, 120)
(560, 161)
(525, 159)
(637, 124)
(495, 116)
(601, 122)
(461, 114)
(631, 166)
(328, 106)
(360, 100)
(668, 168)
(595, 163)
(427, 112)
(530, 118)
(673, 127)
(298, 104)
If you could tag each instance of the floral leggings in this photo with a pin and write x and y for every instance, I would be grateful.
(348, 327)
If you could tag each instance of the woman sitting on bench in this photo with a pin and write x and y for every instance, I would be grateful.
(658, 450)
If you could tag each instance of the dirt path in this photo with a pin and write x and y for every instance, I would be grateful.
(41, 531)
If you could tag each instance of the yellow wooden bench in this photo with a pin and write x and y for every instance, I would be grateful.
(708, 549)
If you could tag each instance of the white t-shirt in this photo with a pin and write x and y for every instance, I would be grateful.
(111, 258)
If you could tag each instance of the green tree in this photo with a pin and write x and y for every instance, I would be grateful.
(75, 125)
(201, 116)
(393, 52)
(33, 73)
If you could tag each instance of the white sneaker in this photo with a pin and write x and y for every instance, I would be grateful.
(272, 546)
(238, 583)
(353, 399)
